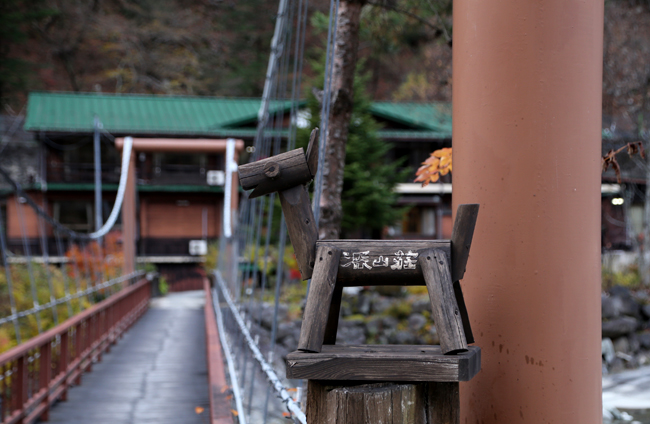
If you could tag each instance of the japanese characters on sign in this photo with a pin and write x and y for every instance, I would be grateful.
(361, 260)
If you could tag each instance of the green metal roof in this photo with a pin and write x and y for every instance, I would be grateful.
(123, 114)
(422, 116)
(138, 114)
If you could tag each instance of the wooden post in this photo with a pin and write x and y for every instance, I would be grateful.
(319, 299)
(446, 315)
(330, 402)
(301, 227)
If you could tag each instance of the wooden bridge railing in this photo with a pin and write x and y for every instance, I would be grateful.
(36, 373)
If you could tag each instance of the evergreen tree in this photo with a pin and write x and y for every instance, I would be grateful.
(368, 199)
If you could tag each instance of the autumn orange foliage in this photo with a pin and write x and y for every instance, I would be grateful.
(437, 164)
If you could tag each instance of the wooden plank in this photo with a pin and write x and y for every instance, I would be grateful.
(312, 152)
(461, 241)
(301, 227)
(435, 267)
(464, 315)
(382, 262)
(312, 332)
(384, 363)
(333, 317)
(276, 173)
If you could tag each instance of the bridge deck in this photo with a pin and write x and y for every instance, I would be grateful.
(156, 374)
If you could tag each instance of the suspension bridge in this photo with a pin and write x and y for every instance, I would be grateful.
(88, 337)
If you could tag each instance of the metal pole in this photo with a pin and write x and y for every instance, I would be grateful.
(527, 145)
(98, 176)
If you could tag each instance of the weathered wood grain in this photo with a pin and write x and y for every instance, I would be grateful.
(435, 267)
(319, 298)
(382, 252)
(444, 403)
(290, 169)
(301, 227)
(312, 152)
(333, 318)
(461, 241)
(388, 402)
(384, 363)
(461, 238)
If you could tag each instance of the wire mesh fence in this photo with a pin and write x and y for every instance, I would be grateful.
(258, 294)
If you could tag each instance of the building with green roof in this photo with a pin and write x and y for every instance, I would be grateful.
(176, 200)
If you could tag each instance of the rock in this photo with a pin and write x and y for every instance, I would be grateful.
(620, 291)
(434, 338)
(629, 307)
(389, 322)
(421, 305)
(380, 304)
(619, 327)
(644, 340)
(351, 333)
(641, 296)
(609, 307)
(608, 351)
(626, 304)
(363, 305)
(373, 326)
(401, 337)
(634, 343)
(617, 366)
(285, 329)
(622, 345)
(290, 342)
(267, 312)
(645, 309)
(416, 322)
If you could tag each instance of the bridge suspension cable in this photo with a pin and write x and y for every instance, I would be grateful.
(257, 235)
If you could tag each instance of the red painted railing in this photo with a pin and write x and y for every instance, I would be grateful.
(38, 372)
(220, 411)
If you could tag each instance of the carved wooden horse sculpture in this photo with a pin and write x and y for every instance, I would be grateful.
(334, 264)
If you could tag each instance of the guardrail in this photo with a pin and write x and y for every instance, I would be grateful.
(35, 374)
(220, 412)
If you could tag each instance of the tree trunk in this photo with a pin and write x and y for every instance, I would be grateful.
(345, 60)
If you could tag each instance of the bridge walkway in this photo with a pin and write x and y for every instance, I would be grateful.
(156, 373)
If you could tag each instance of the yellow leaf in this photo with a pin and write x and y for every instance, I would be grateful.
(446, 151)
(198, 410)
(235, 413)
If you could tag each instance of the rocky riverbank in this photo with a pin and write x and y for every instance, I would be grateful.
(626, 329)
(400, 316)
(375, 316)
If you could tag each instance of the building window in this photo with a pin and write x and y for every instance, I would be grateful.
(75, 214)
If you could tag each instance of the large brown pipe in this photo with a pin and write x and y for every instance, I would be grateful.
(527, 136)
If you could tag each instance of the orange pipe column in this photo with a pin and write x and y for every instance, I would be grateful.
(527, 136)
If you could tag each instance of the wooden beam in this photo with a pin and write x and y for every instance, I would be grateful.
(435, 268)
(384, 363)
(301, 227)
(319, 298)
